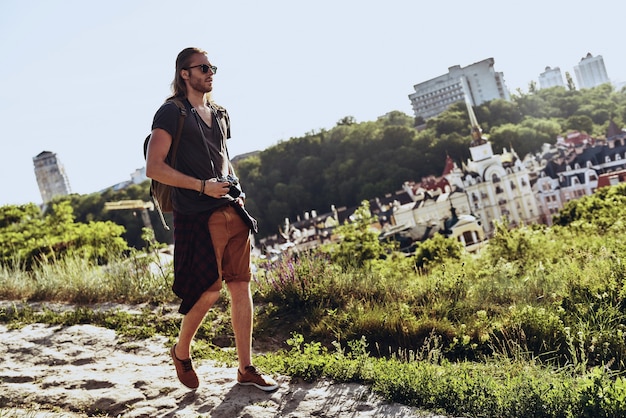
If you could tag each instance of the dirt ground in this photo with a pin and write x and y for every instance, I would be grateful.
(84, 370)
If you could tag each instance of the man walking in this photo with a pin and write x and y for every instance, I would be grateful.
(211, 226)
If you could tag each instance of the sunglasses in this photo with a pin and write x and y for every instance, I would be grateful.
(205, 68)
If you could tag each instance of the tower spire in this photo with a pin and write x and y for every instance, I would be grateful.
(477, 132)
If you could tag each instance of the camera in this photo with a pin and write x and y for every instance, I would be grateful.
(233, 190)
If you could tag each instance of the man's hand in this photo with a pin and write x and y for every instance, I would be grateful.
(216, 189)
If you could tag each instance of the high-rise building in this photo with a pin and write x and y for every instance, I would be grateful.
(434, 96)
(51, 177)
(551, 77)
(590, 72)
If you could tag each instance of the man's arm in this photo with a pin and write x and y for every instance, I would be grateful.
(158, 169)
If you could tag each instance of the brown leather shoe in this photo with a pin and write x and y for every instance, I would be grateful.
(184, 370)
(252, 377)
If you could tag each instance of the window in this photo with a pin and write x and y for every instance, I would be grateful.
(470, 237)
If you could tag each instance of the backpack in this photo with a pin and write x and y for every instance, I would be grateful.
(160, 193)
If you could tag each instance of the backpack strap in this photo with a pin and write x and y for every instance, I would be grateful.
(174, 150)
(179, 128)
(177, 135)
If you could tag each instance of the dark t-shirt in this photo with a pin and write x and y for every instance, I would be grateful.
(192, 157)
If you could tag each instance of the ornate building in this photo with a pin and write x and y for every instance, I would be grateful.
(498, 186)
(488, 188)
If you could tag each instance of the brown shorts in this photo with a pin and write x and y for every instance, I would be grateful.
(231, 242)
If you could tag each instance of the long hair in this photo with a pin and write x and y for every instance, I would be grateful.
(179, 88)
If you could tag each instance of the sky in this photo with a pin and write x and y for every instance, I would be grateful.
(83, 79)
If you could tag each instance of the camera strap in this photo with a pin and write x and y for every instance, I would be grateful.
(219, 120)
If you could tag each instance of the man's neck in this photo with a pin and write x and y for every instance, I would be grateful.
(196, 99)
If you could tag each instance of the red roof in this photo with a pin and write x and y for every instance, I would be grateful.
(609, 179)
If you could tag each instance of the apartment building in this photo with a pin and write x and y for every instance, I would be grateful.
(482, 82)
(551, 77)
(51, 177)
(591, 72)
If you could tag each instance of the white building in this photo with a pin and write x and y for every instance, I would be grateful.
(51, 177)
(499, 187)
(573, 183)
(434, 96)
(590, 72)
(551, 77)
(489, 188)
(138, 176)
(575, 168)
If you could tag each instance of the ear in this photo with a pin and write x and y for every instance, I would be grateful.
(184, 74)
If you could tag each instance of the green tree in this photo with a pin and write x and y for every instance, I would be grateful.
(534, 105)
(436, 250)
(451, 121)
(28, 237)
(520, 138)
(348, 120)
(359, 241)
(397, 118)
(570, 81)
(498, 112)
(603, 210)
(581, 123)
(546, 129)
(567, 102)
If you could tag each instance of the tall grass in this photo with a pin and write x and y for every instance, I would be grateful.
(531, 288)
(129, 279)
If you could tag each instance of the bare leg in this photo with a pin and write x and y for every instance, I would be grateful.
(192, 320)
(241, 312)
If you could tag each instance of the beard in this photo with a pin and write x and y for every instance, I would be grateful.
(200, 84)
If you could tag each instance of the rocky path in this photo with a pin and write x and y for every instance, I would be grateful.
(83, 370)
